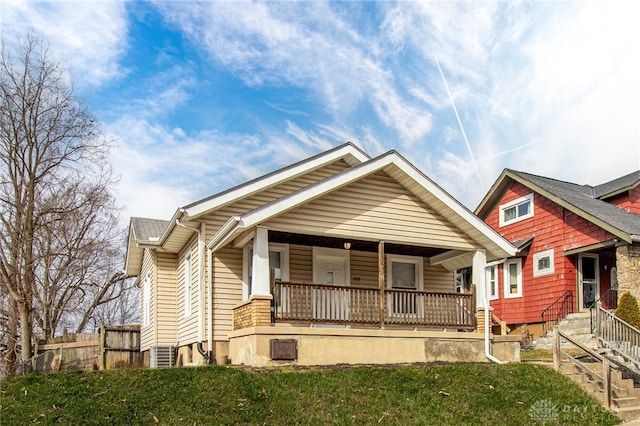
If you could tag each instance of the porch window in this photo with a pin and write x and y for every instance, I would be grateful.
(146, 300)
(278, 261)
(543, 263)
(492, 281)
(513, 278)
(187, 285)
(516, 210)
(404, 273)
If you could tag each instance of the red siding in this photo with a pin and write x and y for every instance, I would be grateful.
(552, 228)
(630, 201)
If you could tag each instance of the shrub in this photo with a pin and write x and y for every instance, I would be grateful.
(628, 310)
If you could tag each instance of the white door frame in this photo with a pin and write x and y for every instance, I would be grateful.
(581, 280)
(331, 304)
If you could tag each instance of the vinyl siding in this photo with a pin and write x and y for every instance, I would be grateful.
(188, 325)
(148, 332)
(227, 291)
(438, 279)
(300, 264)
(166, 299)
(374, 208)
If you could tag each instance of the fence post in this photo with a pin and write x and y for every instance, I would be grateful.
(556, 349)
(60, 363)
(606, 374)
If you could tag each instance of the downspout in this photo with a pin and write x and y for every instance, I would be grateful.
(209, 305)
(487, 313)
(204, 354)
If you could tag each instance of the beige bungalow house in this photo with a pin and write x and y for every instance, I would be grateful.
(339, 258)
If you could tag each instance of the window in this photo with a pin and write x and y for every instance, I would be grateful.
(543, 263)
(492, 281)
(404, 273)
(513, 278)
(516, 210)
(146, 300)
(187, 285)
(278, 261)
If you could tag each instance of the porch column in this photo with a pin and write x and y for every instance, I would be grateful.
(260, 285)
(478, 276)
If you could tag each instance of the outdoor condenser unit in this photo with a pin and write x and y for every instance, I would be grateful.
(161, 356)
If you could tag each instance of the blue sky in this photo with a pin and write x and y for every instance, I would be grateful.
(200, 96)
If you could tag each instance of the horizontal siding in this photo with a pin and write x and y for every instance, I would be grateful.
(374, 208)
(148, 333)
(219, 217)
(364, 269)
(188, 325)
(300, 264)
(227, 291)
(166, 298)
(438, 279)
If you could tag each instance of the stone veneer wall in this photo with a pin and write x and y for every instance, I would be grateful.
(628, 267)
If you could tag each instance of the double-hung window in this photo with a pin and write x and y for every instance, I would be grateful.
(513, 278)
(491, 280)
(516, 210)
(146, 300)
(278, 261)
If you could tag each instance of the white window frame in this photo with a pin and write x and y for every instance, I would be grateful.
(507, 281)
(526, 199)
(417, 260)
(537, 272)
(146, 300)
(281, 248)
(495, 294)
(188, 283)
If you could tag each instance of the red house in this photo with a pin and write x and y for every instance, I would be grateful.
(578, 244)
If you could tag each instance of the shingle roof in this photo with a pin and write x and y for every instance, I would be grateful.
(147, 230)
(583, 198)
(619, 184)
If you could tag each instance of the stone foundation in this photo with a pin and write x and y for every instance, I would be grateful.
(628, 267)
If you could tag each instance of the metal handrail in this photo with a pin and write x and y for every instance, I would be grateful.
(562, 306)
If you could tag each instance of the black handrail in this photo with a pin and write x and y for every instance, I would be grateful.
(562, 306)
(610, 297)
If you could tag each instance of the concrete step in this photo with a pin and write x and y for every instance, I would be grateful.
(578, 315)
(628, 413)
(629, 401)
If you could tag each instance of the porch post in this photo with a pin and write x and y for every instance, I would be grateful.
(381, 280)
(479, 263)
(260, 285)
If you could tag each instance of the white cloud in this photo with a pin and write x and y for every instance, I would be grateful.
(89, 35)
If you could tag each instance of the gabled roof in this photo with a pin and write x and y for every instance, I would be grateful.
(399, 169)
(617, 186)
(579, 199)
(143, 232)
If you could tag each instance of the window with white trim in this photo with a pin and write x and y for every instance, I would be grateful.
(516, 210)
(278, 261)
(187, 285)
(404, 273)
(492, 281)
(513, 278)
(146, 300)
(543, 263)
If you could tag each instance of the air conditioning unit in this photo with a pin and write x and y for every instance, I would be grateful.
(161, 356)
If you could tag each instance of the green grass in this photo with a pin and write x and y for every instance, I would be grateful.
(432, 394)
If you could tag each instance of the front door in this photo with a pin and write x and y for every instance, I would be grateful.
(330, 268)
(588, 281)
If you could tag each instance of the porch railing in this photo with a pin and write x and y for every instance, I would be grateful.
(619, 336)
(361, 305)
(559, 309)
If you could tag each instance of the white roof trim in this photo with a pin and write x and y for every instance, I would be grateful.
(266, 212)
(226, 197)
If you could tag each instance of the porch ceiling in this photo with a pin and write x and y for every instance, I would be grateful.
(360, 245)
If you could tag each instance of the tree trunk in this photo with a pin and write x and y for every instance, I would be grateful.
(25, 336)
(11, 355)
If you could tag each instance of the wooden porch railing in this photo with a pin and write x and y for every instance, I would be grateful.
(360, 305)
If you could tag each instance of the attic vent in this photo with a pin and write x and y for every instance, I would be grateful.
(154, 238)
(161, 356)
(284, 349)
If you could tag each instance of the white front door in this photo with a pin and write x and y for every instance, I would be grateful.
(588, 281)
(330, 267)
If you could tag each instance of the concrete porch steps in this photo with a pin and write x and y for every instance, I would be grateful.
(625, 397)
(577, 325)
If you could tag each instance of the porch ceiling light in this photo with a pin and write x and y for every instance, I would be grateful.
(347, 245)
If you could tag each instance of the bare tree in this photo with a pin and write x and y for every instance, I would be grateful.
(59, 223)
